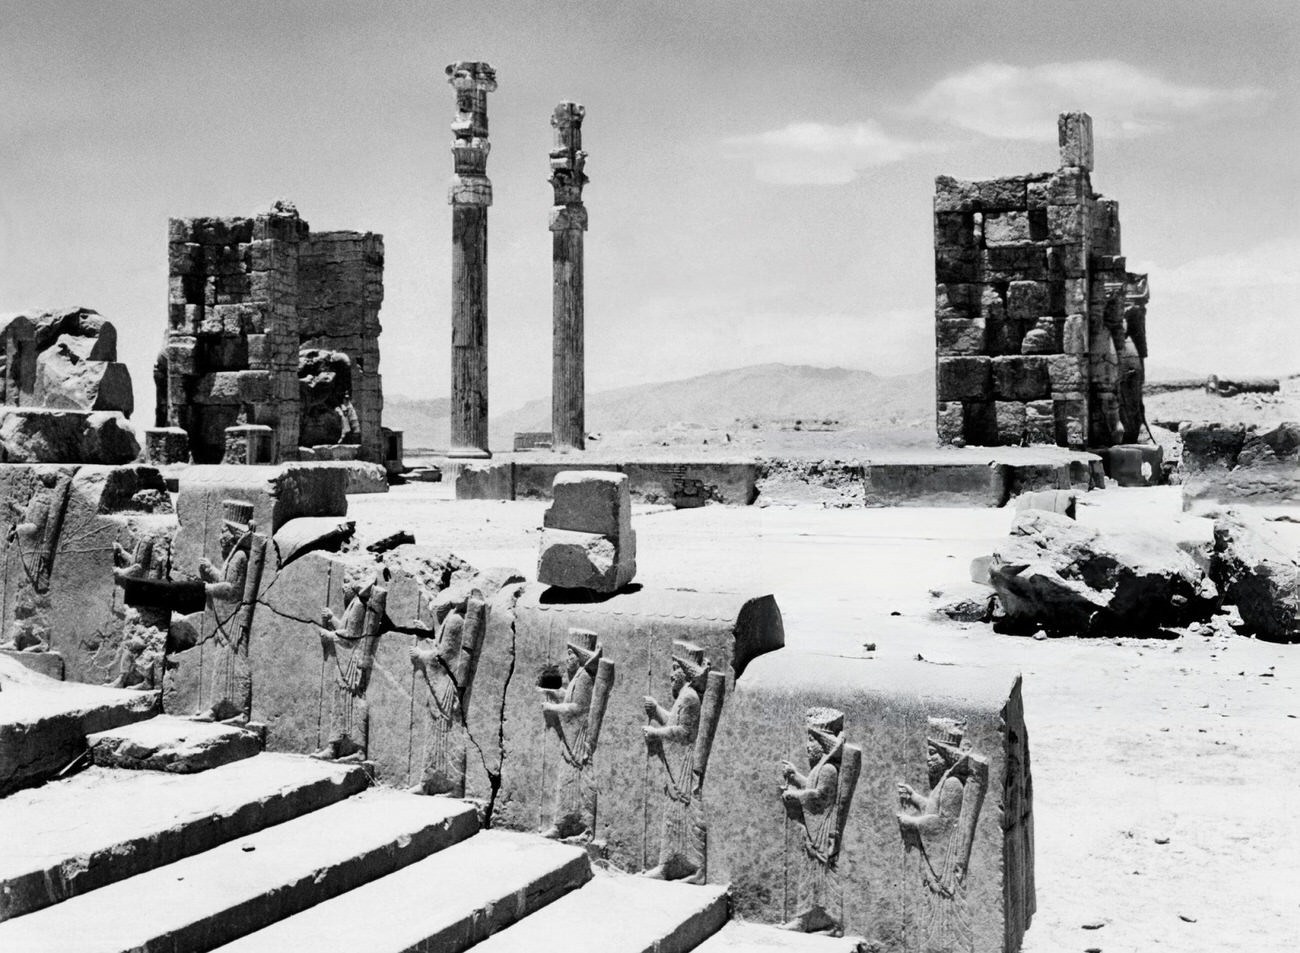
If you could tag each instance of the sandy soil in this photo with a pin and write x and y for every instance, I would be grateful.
(1167, 792)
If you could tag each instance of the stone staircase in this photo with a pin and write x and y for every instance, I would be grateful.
(279, 852)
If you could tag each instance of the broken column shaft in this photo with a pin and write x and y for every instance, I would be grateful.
(568, 222)
(470, 195)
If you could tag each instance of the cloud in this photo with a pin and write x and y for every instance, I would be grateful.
(1017, 102)
(815, 153)
(1228, 313)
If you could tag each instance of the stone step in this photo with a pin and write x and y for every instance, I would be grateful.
(44, 722)
(740, 936)
(447, 902)
(617, 913)
(212, 898)
(168, 743)
(71, 836)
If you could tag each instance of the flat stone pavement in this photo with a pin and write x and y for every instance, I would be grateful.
(1167, 792)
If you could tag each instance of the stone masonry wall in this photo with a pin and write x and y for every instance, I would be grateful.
(246, 294)
(340, 289)
(1040, 330)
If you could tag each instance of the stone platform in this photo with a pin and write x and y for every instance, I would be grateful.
(947, 476)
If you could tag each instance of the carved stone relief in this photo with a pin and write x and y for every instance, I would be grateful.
(680, 739)
(574, 713)
(349, 646)
(939, 828)
(817, 805)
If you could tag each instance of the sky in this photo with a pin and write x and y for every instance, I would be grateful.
(761, 171)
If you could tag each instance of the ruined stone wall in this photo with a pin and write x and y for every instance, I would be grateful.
(246, 295)
(340, 290)
(1040, 330)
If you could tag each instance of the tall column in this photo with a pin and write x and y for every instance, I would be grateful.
(568, 222)
(470, 195)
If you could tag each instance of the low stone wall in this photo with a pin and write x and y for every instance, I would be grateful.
(1241, 463)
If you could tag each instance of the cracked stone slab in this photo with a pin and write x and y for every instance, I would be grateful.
(757, 937)
(44, 723)
(167, 743)
(100, 825)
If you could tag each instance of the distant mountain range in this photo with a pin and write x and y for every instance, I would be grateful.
(762, 394)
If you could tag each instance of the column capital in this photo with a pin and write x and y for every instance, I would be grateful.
(568, 162)
(472, 80)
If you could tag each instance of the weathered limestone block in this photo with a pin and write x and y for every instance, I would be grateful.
(1210, 444)
(1255, 565)
(277, 495)
(1063, 502)
(66, 380)
(958, 337)
(249, 445)
(1001, 194)
(1074, 134)
(1021, 378)
(964, 378)
(587, 537)
(1010, 422)
(637, 636)
(1069, 579)
(485, 481)
(166, 445)
(177, 745)
(1006, 228)
(17, 360)
(63, 524)
(38, 435)
(887, 799)
(955, 301)
(1040, 422)
(949, 422)
(953, 195)
(1138, 464)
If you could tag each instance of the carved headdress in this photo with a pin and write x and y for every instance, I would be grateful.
(237, 514)
(945, 736)
(584, 644)
(690, 658)
(826, 727)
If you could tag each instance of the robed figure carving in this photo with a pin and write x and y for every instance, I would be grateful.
(33, 538)
(818, 802)
(574, 713)
(680, 738)
(940, 828)
(232, 594)
(444, 674)
(349, 648)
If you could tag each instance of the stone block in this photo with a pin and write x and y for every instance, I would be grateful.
(277, 494)
(590, 501)
(1211, 444)
(1074, 136)
(1139, 464)
(1063, 502)
(1026, 261)
(979, 422)
(953, 301)
(574, 560)
(1010, 422)
(1070, 412)
(1256, 568)
(960, 337)
(184, 258)
(38, 435)
(485, 481)
(948, 422)
(1040, 422)
(957, 838)
(166, 445)
(249, 445)
(637, 635)
(954, 195)
(964, 378)
(176, 745)
(953, 266)
(66, 382)
(1067, 224)
(1027, 301)
(1068, 373)
(954, 229)
(1021, 378)
(1070, 186)
(1001, 194)
(1006, 228)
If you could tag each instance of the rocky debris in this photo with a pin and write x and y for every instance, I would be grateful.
(66, 359)
(1069, 579)
(587, 536)
(40, 435)
(966, 603)
(1238, 462)
(167, 743)
(1135, 464)
(325, 391)
(1256, 567)
(1230, 387)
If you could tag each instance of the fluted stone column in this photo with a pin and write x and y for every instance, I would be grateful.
(568, 222)
(470, 195)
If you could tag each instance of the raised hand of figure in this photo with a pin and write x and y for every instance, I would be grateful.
(651, 706)
(906, 795)
(788, 771)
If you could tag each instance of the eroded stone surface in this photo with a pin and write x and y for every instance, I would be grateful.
(166, 743)
(1069, 579)
(587, 537)
(1256, 566)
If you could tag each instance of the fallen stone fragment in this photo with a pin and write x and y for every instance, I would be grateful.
(587, 536)
(166, 743)
(1071, 579)
(1256, 566)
